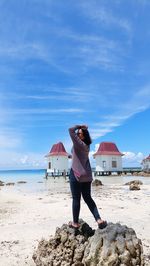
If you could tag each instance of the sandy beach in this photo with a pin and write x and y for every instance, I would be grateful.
(25, 218)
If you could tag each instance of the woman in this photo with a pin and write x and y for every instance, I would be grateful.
(81, 175)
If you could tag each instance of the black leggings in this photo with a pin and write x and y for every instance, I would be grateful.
(77, 189)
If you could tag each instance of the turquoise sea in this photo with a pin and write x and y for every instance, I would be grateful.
(25, 175)
(36, 181)
(31, 177)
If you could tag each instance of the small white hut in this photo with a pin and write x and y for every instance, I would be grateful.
(146, 164)
(57, 159)
(108, 158)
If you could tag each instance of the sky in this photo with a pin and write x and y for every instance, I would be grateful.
(73, 62)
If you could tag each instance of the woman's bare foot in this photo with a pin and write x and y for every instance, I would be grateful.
(101, 223)
(74, 225)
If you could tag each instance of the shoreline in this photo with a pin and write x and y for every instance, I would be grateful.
(25, 217)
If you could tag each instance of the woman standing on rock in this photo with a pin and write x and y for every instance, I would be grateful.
(81, 175)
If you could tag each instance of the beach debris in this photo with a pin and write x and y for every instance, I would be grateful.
(10, 184)
(21, 182)
(134, 182)
(97, 182)
(134, 187)
(115, 245)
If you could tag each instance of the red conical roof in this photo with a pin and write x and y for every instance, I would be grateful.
(108, 148)
(148, 157)
(58, 149)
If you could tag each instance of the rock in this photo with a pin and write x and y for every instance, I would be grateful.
(21, 182)
(134, 182)
(10, 184)
(146, 174)
(134, 187)
(135, 173)
(116, 245)
(142, 173)
(1, 183)
(97, 182)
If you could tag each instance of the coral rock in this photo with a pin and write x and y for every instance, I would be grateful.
(1, 183)
(134, 182)
(116, 245)
(134, 187)
(97, 182)
(10, 184)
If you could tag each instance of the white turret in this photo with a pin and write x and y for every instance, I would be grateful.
(108, 158)
(146, 164)
(57, 159)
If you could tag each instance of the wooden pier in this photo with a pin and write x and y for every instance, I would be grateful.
(56, 174)
(125, 171)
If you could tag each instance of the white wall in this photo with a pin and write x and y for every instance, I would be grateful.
(108, 159)
(58, 163)
(146, 165)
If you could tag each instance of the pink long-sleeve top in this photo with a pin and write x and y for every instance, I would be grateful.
(80, 157)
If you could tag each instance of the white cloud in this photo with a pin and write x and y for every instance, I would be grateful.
(16, 160)
(132, 159)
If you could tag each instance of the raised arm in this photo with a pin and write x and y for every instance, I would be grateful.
(76, 140)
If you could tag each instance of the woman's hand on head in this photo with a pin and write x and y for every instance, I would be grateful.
(84, 126)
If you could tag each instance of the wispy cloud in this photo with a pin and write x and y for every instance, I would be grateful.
(9, 141)
(84, 50)
(87, 51)
(62, 94)
(139, 103)
(36, 111)
(80, 62)
(95, 50)
(102, 13)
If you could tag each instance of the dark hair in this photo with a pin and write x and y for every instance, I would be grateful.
(87, 139)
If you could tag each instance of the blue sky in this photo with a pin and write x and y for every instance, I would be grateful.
(70, 62)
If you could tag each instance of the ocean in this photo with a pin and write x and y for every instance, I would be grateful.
(36, 182)
(31, 177)
(25, 175)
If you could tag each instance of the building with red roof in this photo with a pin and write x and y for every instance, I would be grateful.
(57, 159)
(146, 164)
(108, 157)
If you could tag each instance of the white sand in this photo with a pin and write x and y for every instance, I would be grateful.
(26, 218)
